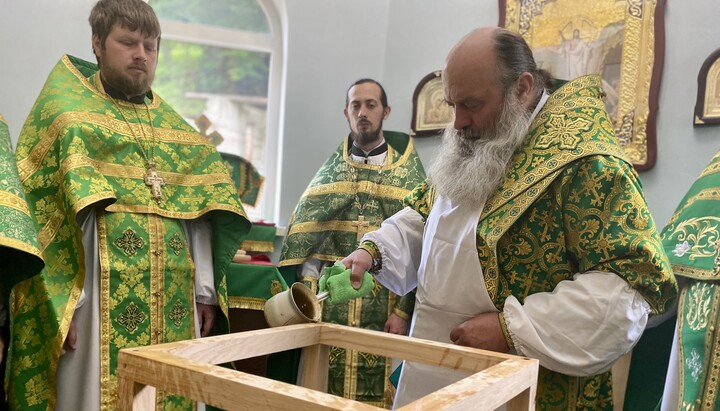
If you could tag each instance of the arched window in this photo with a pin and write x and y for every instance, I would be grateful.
(220, 67)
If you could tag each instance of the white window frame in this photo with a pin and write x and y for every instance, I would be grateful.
(272, 44)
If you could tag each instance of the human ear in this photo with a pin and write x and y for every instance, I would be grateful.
(525, 85)
(96, 44)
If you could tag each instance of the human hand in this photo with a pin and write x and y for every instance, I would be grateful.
(337, 285)
(359, 263)
(482, 331)
(206, 318)
(396, 325)
(71, 339)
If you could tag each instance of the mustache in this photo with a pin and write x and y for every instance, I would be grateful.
(139, 66)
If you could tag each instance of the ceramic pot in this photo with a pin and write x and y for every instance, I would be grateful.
(296, 305)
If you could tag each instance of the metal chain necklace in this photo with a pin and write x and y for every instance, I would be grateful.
(151, 178)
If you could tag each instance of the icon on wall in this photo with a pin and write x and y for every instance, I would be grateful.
(431, 113)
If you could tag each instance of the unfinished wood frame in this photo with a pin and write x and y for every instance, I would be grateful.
(188, 368)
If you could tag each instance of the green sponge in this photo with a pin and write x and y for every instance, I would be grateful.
(336, 281)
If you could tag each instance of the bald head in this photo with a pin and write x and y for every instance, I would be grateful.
(476, 47)
(482, 68)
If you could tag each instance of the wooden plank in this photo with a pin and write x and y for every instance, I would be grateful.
(239, 346)
(620, 375)
(412, 349)
(225, 388)
(315, 367)
(186, 368)
(486, 390)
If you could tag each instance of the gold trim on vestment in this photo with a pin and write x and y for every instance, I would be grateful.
(332, 225)
(246, 303)
(560, 115)
(351, 356)
(298, 261)
(177, 215)
(50, 229)
(350, 187)
(693, 272)
(63, 329)
(97, 90)
(710, 169)
(388, 160)
(92, 199)
(30, 164)
(19, 245)
(258, 246)
(129, 171)
(712, 194)
(10, 200)
(104, 307)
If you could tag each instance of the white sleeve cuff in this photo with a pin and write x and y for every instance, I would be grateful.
(582, 327)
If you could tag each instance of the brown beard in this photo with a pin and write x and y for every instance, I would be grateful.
(129, 85)
(366, 138)
(470, 165)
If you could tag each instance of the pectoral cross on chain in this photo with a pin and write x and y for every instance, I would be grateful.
(155, 182)
(361, 225)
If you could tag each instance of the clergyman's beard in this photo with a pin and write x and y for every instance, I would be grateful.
(470, 165)
(366, 138)
(129, 85)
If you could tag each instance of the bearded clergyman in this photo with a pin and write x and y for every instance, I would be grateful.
(531, 234)
(363, 182)
(137, 219)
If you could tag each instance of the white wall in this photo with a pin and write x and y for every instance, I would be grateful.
(331, 43)
(692, 33)
(34, 34)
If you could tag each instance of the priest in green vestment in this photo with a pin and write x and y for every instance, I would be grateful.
(136, 215)
(363, 182)
(692, 243)
(19, 249)
(531, 235)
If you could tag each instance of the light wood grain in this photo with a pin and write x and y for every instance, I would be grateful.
(188, 368)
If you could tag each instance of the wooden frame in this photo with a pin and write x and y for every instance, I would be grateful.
(707, 106)
(623, 41)
(188, 368)
(431, 113)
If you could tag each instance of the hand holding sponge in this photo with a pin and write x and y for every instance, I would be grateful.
(336, 281)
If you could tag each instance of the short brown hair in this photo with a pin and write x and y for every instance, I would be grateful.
(132, 14)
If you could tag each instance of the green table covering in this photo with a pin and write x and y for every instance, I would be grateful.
(250, 285)
(261, 238)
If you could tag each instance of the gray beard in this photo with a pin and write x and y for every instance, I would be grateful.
(470, 166)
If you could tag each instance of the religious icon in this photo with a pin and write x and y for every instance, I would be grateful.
(707, 105)
(619, 40)
(431, 113)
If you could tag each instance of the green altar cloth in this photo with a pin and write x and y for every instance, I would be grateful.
(260, 239)
(250, 285)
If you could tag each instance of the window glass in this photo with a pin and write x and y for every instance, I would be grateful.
(210, 70)
(229, 87)
(246, 15)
